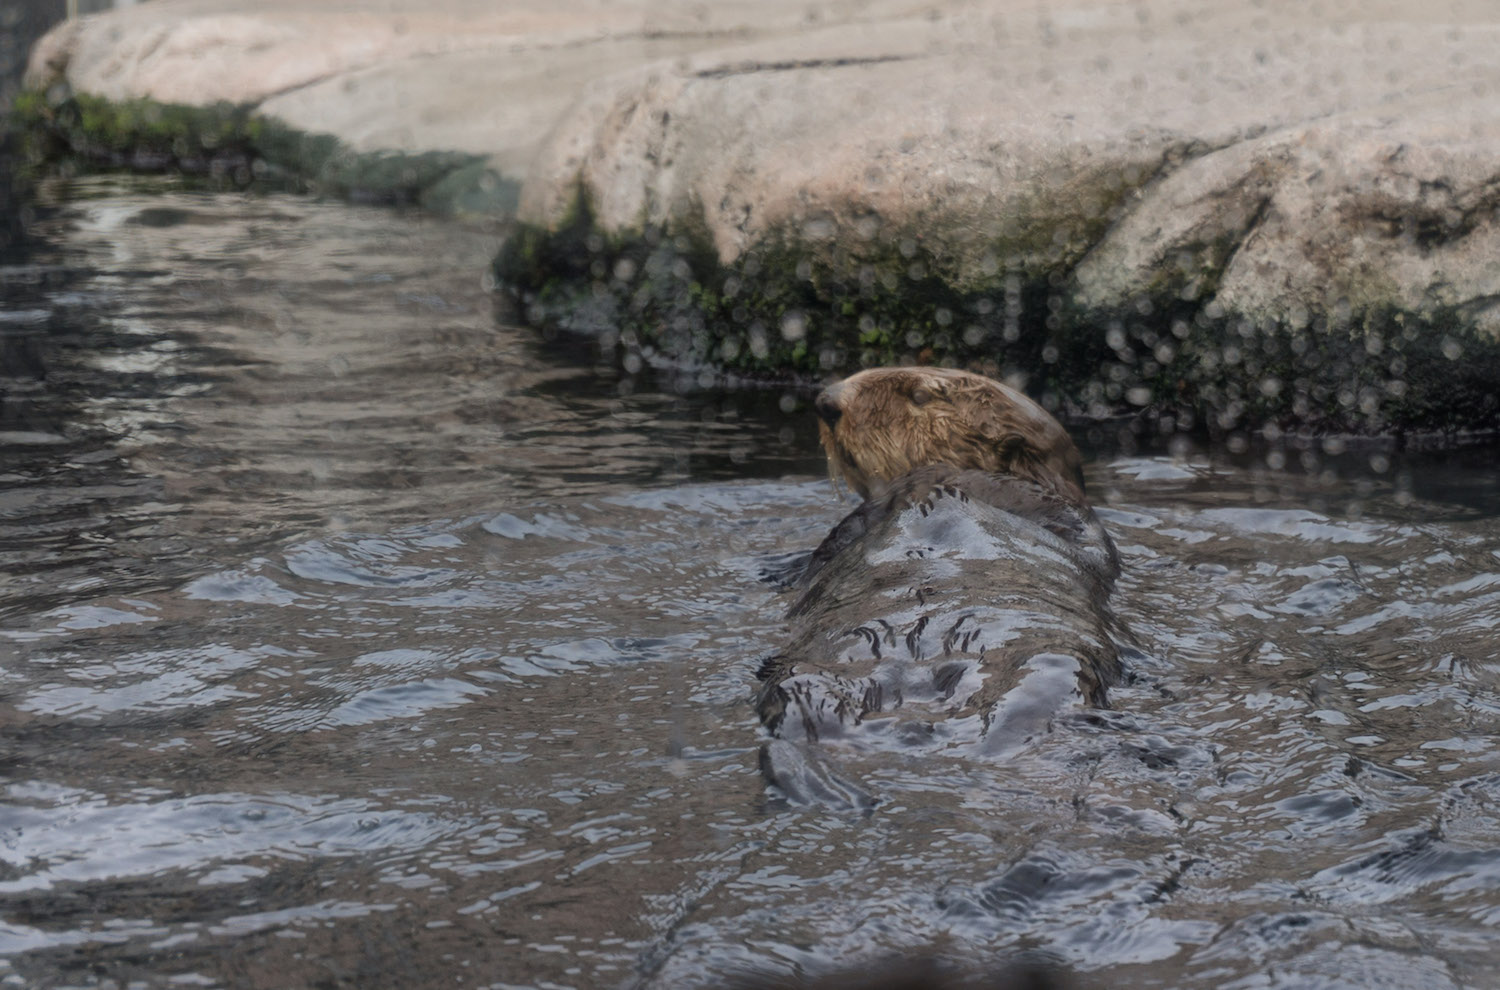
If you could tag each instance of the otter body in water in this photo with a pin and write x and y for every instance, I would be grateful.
(964, 602)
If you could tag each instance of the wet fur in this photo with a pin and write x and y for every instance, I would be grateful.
(974, 564)
(893, 420)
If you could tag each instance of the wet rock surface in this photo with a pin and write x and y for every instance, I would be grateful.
(1249, 216)
(1275, 158)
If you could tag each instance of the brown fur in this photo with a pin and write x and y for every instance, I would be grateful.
(945, 612)
(879, 424)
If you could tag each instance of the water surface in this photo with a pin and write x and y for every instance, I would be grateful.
(350, 636)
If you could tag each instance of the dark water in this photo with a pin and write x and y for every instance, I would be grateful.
(351, 637)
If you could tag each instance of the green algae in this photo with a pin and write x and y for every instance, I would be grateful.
(807, 307)
(1171, 356)
(63, 132)
(67, 131)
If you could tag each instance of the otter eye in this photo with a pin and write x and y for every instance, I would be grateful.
(920, 396)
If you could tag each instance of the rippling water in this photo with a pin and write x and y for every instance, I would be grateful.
(351, 637)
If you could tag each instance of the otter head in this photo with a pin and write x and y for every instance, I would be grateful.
(879, 424)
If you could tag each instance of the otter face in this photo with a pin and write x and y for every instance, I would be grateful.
(879, 424)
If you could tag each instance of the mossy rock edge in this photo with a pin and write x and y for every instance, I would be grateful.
(61, 132)
(1171, 356)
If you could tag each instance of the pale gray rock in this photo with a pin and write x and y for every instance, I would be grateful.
(1294, 160)
(1278, 160)
(1364, 208)
(403, 75)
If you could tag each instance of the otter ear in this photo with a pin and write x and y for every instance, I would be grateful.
(1008, 448)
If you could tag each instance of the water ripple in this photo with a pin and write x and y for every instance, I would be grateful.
(347, 630)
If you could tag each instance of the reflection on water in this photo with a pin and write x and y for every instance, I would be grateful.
(350, 637)
(194, 372)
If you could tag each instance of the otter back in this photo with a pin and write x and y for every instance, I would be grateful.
(959, 611)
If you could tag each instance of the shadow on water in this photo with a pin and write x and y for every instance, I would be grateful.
(349, 636)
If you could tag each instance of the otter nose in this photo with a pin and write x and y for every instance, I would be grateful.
(827, 405)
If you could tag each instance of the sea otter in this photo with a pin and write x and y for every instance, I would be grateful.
(962, 604)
